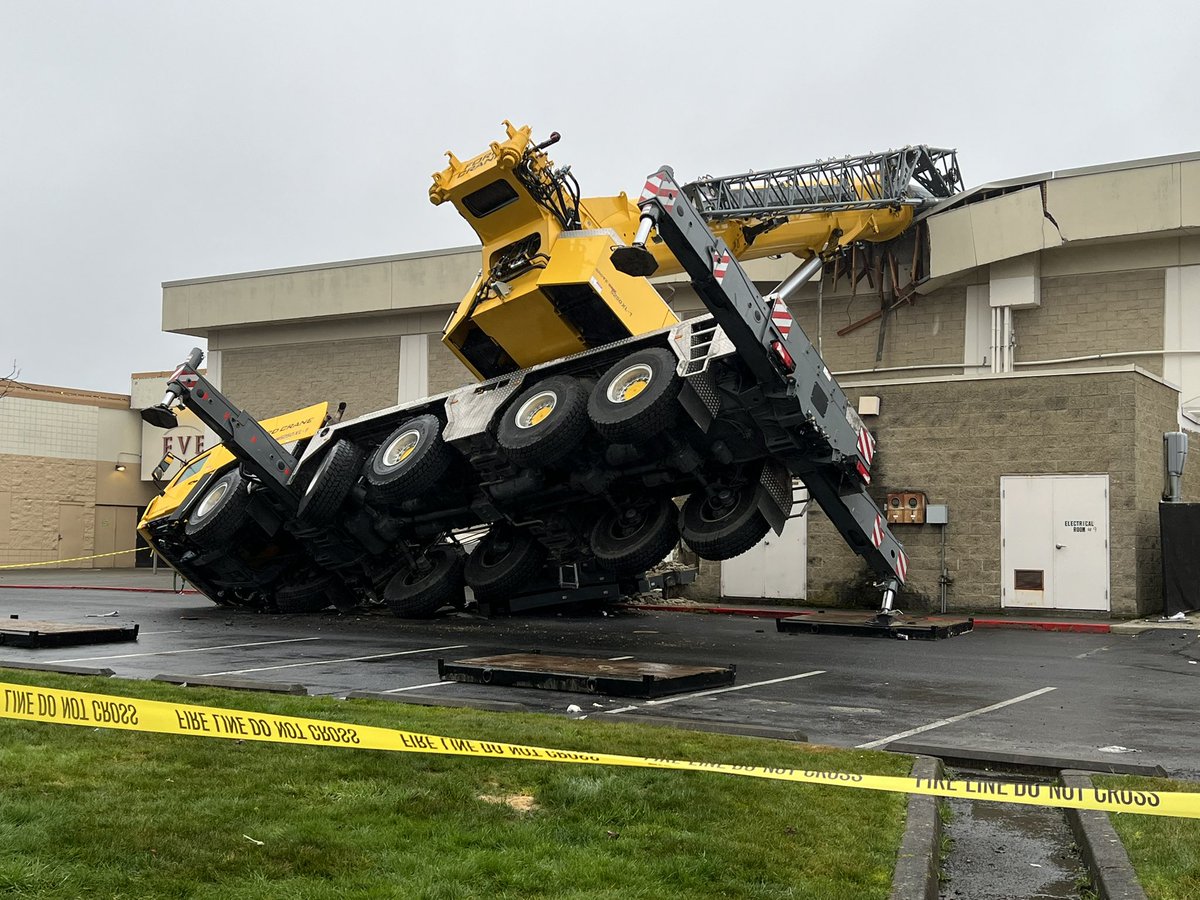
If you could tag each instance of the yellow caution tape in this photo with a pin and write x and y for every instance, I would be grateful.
(55, 562)
(41, 704)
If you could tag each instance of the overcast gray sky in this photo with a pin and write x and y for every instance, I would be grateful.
(143, 142)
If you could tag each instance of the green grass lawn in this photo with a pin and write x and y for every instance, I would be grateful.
(1164, 851)
(103, 814)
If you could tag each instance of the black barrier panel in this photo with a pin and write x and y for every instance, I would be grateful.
(1180, 524)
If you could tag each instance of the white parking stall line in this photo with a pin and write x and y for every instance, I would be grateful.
(711, 691)
(188, 650)
(417, 687)
(950, 720)
(618, 658)
(330, 662)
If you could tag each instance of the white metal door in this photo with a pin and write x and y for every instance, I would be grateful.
(1054, 541)
(774, 569)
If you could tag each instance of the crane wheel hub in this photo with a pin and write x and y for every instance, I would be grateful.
(211, 500)
(629, 383)
(401, 448)
(535, 410)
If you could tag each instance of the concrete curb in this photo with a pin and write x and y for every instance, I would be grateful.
(766, 732)
(1025, 762)
(429, 700)
(916, 873)
(233, 684)
(1102, 851)
(96, 587)
(721, 610)
(54, 667)
(1028, 625)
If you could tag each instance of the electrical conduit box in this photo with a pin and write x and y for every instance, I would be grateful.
(906, 508)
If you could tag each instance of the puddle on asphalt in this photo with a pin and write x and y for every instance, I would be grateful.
(1000, 851)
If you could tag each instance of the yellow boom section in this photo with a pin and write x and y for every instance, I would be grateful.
(547, 288)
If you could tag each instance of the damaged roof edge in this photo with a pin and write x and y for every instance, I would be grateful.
(1024, 181)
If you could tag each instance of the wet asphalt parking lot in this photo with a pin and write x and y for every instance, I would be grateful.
(1056, 695)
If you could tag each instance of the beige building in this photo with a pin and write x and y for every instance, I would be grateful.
(70, 477)
(1026, 387)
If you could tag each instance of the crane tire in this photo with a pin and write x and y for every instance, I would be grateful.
(410, 461)
(331, 483)
(307, 596)
(412, 594)
(505, 560)
(637, 537)
(545, 423)
(716, 529)
(636, 399)
(218, 515)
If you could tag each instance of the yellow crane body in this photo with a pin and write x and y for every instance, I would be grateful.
(547, 287)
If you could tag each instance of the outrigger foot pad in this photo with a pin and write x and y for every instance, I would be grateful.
(634, 261)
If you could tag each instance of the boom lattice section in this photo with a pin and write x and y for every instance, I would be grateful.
(911, 176)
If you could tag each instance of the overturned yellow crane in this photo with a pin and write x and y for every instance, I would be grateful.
(547, 287)
(605, 431)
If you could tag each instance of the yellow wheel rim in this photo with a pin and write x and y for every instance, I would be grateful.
(629, 383)
(401, 448)
(632, 390)
(536, 409)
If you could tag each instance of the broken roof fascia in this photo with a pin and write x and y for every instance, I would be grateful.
(993, 188)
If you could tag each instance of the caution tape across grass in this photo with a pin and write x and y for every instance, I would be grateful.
(62, 707)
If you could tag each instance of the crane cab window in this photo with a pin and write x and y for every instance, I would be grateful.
(490, 198)
(191, 469)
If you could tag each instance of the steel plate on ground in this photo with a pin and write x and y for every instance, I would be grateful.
(921, 628)
(21, 633)
(584, 675)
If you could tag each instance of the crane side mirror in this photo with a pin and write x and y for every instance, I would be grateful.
(158, 476)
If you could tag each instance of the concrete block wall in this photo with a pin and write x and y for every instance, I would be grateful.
(44, 428)
(32, 488)
(929, 331)
(1109, 312)
(445, 371)
(271, 380)
(955, 439)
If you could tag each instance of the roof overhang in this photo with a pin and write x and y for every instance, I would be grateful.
(1157, 197)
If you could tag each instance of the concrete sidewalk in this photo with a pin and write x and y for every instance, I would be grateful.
(166, 581)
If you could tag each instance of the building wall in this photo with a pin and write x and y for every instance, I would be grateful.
(362, 287)
(1110, 312)
(929, 331)
(58, 455)
(954, 439)
(270, 380)
(445, 371)
(42, 493)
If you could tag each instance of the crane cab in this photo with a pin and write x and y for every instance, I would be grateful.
(546, 287)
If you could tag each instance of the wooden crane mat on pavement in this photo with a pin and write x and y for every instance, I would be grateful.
(860, 622)
(585, 675)
(34, 634)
